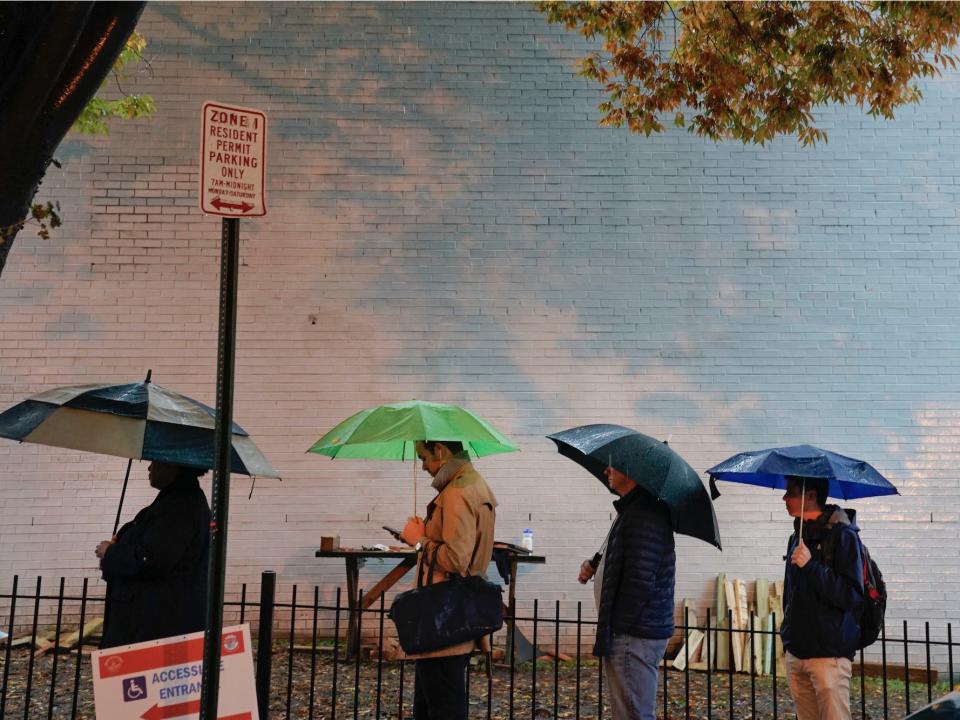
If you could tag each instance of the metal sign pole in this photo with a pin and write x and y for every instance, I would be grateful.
(220, 493)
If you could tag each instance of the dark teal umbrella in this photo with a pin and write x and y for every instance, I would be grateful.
(650, 463)
(945, 708)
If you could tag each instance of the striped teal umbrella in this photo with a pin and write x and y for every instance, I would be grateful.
(142, 421)
(139, 421)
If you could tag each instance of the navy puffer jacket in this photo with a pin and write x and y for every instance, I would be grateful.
(821, 600)
(638, 574)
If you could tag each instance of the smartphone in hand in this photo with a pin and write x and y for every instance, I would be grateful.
(393, 531)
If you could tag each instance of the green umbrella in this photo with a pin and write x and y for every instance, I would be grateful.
(390, 432)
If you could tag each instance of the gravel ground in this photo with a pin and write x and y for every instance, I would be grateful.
(385, 681)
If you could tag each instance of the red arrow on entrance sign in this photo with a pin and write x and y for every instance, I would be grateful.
(162, 712)
(242, 207)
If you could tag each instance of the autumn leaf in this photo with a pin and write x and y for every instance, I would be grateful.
(752, 71)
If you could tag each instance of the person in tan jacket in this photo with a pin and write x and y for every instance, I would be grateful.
(459, 528)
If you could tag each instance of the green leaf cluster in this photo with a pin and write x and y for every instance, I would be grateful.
(94, 118)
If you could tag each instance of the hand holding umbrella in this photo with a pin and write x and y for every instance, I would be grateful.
(801, 556)
(102, 548)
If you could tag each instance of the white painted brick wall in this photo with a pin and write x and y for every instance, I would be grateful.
(448, 222)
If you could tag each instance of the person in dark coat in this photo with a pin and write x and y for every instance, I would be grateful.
(156, 565)
(822, 595)
(636, 606)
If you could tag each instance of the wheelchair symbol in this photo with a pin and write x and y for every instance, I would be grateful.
(135, 688)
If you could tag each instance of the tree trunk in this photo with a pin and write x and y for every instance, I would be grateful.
(53, 60)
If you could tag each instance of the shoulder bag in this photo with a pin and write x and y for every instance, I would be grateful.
(437, 615)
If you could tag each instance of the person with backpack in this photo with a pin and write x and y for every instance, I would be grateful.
(823, 594)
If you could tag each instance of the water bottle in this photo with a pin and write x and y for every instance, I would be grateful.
(527, 540)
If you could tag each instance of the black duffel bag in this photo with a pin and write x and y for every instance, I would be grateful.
(437, 615)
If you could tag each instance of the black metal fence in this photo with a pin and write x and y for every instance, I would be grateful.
(305, 671)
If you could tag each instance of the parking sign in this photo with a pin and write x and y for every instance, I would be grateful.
(232, 161)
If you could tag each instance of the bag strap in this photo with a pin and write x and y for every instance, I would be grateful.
(828, 554)
(476, 542)
(869, 580)
(433, 565)
(829, 546)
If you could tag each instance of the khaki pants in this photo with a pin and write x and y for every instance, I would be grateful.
(820, 687)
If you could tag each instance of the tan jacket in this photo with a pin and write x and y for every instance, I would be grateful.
(459, 526)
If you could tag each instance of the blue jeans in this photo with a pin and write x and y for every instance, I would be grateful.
(630, 672)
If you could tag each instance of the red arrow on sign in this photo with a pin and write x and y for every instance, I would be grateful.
(161, 712)
(242, 207)
(158, 712)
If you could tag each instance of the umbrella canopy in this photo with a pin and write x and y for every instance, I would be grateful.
(390, 432)
(138, 421)
(653, 465)
(943, 708)
(849, 478)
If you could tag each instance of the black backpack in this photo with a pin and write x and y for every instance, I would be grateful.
(874, 606)
(874, 602)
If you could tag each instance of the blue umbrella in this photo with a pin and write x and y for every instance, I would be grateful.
(849, 478)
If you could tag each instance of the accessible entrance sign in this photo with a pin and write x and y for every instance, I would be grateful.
(232, 161)
(160, 679)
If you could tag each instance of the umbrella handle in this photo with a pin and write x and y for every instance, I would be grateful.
(803, 497)
(116, 523)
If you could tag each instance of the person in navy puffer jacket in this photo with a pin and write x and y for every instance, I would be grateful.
(635, 608)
